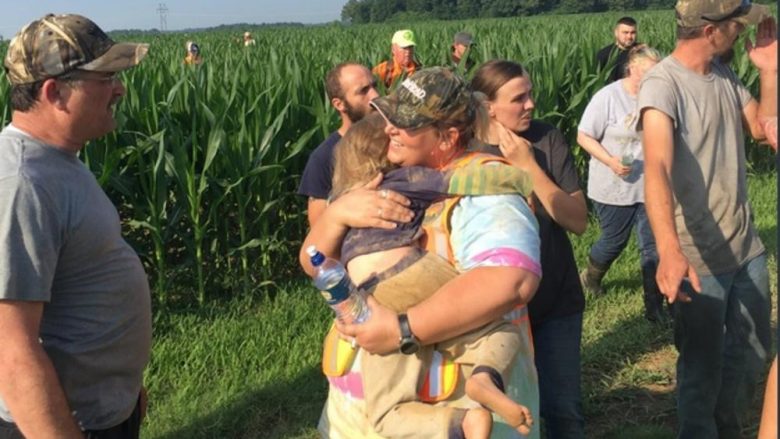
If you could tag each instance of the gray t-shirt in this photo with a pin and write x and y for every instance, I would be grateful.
(62, 245)
(611, 117)
(711, 209)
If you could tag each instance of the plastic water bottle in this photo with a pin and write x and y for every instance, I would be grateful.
(337, 288)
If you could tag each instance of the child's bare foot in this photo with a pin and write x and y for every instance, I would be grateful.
(481, 389)
(477, 424)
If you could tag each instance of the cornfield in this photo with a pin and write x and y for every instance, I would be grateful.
(206, 159)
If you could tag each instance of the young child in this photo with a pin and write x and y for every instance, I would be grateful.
(399, 273)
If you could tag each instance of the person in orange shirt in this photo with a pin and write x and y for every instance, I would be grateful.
(402, 63)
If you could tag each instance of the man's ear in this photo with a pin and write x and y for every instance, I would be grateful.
(55, 94)
(338, 104)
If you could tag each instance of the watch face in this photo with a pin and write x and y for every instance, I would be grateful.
(409, 347)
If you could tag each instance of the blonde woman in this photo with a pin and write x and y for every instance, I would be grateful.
(607, 131)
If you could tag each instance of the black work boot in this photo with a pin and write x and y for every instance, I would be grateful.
(654, 300)
(591, 277)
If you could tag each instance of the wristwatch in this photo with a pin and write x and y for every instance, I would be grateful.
(409, 343)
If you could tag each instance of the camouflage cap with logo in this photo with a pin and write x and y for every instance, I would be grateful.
(57, 44)
(694, 13)
(428, 96)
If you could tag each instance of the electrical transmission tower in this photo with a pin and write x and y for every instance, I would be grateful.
(163, 10)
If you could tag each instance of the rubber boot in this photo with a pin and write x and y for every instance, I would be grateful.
(592, 275)
(654, 300)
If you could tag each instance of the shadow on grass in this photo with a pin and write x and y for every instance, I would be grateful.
(282, 410)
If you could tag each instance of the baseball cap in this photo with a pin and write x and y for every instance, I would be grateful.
(404, 38)
(463, 38)
(427, 96)
(57, 44)
(694, 13)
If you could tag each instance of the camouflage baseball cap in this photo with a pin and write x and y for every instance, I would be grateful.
(57, 44)
(428, 96)
(694, 13)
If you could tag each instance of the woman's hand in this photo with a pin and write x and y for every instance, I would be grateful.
(616, 165)
(516, 149)
(369, 207)
(380, 334)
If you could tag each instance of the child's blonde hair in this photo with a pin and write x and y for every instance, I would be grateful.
(360, 155)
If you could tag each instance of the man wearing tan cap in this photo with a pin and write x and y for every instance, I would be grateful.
(74, 299)
(403, 62)
(695, 113)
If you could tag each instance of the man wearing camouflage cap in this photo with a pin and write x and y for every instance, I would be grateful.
(74, 299)
(403, 63)
(694, 111)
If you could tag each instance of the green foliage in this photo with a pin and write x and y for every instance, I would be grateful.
(206, 160)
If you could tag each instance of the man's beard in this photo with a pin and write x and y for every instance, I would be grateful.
(727, 56)
(355, 114)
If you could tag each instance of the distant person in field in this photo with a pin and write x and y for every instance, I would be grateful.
(695, 113)
(556, 310)
(350, 87)
(75, 312)
(248, 40)
(398, 273)
(193, 54)
(625, 38)
(402, 62)
(616, 184)
(461, 46)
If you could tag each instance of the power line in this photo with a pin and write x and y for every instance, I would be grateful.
(163, 11)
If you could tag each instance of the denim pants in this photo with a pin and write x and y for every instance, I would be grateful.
(723, 337)
(616, 223)
(557, 356)
(129, 429)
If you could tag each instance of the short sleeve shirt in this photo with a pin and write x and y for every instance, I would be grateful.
(610, 118)
(711, 210)
(559, 293)
(62, 245)
(317, 178)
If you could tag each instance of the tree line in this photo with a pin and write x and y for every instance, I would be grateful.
(377, 11)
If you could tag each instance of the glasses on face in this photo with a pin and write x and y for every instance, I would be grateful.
(741, 10)
(79, 76)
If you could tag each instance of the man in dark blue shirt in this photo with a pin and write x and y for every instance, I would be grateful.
(350, 87)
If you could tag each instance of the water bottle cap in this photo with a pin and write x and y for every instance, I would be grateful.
(315, 257)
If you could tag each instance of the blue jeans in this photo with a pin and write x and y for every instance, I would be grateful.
(616, 223)
(723, 337)
(557, 357)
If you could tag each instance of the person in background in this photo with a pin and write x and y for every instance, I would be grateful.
(694, 115)
(402, 62)
(350, 87)
(556, 310)
(193, 54)
(75, 309)
(461, 46)
(248, 40)
(607, 131)
(625, 39)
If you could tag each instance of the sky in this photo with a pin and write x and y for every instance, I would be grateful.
(143, 14)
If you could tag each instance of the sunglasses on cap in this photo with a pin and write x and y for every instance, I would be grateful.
(741, 10)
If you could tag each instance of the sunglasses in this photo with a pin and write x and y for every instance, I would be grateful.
(741, 10)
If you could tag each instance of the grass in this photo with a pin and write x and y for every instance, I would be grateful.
(249, 368)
